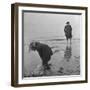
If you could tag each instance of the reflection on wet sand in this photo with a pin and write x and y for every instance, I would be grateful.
(67, 57)
(68, 52)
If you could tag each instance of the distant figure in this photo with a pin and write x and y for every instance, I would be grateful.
(68, 31)
(44, 51)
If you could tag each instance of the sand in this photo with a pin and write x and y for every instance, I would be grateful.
(65, 60)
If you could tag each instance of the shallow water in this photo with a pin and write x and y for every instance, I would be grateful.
(64, 61)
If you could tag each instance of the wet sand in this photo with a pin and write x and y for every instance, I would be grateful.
(65, 60)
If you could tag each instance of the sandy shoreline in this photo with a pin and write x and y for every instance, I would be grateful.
(65, 61)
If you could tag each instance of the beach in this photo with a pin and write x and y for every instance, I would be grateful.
(65, 60)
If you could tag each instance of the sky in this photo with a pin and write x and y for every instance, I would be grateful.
(47, 26)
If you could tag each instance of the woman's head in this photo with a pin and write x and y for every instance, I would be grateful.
(68, 22)
(33, 46)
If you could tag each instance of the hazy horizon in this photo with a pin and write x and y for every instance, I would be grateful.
(46, 25)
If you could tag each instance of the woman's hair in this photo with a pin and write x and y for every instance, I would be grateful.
(33, 45)
(67, 22)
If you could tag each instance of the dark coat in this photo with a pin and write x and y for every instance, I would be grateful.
(68, 31)
(43, 50)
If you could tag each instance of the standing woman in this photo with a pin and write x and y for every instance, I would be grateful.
(68, 31)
